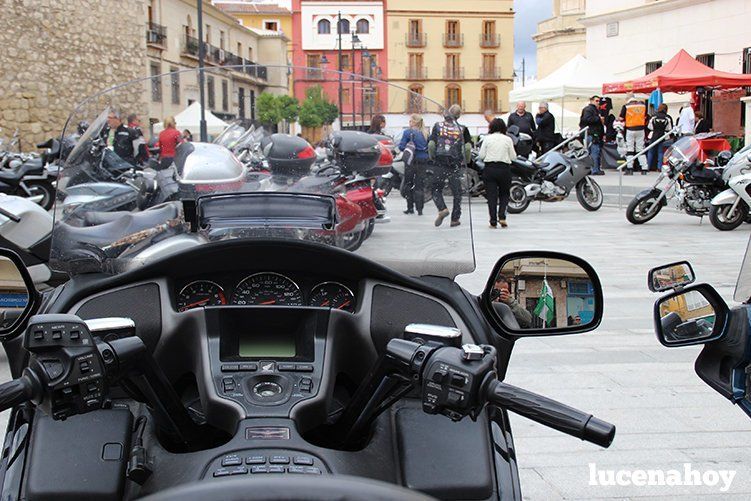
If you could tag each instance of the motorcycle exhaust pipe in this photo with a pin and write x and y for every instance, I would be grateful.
(532, 190)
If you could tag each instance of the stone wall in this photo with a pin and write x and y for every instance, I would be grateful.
(56, 52)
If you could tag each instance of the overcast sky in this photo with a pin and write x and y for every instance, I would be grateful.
(528, 14)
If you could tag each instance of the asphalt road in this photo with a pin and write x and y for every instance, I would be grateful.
(665, 415)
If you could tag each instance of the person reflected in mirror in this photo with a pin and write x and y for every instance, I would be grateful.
(523, 119)
(446, 148)
(377, 125)
(169, 138)
(119, 138)
(545, 122)
(502, 294)
(414, 144)
(574, 320)
(497, 151)
(187, 136)
(595, 125)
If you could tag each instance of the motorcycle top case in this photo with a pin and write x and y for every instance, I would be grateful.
(288, 155)
(358, 153)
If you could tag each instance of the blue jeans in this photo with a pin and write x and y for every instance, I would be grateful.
(594, 151)
(656, 155)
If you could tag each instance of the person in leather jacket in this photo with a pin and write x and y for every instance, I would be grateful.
(119, 137)
(594, 122)
(502, 294)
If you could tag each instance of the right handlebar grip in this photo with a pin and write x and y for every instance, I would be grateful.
(551, 413)
(15, 392)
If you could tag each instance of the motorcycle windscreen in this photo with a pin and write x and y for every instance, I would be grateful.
(305, 133)
(743, 285)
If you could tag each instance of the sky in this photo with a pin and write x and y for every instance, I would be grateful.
(528, 14)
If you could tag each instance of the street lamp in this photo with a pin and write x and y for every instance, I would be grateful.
(355, 40)
(363, 56)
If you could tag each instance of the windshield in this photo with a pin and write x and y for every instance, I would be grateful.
(273, 166)
(743, 286)
(686, 149)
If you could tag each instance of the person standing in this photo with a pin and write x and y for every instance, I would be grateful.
(545, 122)
(523, 119)
(497, 151)
(377, 124)
(658, 126)
(593, 121)
(139, 145)
(687, 120)
(169, 138)
(634, 116)
(414, 172)
(119, 138)
(187, 136)
(702, 124)
(446, 148)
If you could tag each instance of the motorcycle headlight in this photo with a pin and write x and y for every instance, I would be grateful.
(665, 168)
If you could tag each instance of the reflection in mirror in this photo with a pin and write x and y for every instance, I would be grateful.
(14, 296)
(671, 276)
(686, 317)
(543, 293)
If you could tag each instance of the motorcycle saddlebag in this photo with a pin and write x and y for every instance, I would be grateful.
(356, 152)
(288, 155)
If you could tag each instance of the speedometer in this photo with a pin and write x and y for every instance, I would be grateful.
(267, 289)
(332, 295)
(200, 293)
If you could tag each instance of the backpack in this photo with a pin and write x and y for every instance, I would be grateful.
(408, 155)
(449, 141)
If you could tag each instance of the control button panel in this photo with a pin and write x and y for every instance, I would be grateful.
(265, 463)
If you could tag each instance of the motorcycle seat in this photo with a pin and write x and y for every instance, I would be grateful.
(125, 224)
(33, 166)
(95, 218)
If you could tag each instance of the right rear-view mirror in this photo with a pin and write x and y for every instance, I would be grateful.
(694, 315)
(670, 276)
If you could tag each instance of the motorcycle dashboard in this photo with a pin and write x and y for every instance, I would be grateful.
(265, 288)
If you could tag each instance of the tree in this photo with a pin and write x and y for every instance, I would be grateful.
(316, 110)
(289, 108)
(269, 111)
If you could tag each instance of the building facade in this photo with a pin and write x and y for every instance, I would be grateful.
(453, 52)
(56, 54)
(561, 37)
(241, 62)
(346, 36)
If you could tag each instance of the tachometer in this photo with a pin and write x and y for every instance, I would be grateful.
(267, 289)
(332, 295)
(200, 293)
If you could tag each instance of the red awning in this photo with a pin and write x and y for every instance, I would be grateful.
(682, 73)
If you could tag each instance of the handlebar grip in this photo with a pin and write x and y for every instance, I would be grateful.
(551, 413)
(15, 392)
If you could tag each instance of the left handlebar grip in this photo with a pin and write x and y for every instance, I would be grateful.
(15, 392)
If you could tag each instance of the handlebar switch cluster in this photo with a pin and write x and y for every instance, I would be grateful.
(453, 380)
(66, 362)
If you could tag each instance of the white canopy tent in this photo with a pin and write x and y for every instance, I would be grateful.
(575, 81)
(190, 118)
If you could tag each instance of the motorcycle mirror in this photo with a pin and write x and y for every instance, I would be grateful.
(670, 276)
(18, 296)
(690, 316)
(543, 293)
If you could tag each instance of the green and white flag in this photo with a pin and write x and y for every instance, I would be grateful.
(545, 308)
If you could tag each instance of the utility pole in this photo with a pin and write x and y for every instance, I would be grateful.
(352, 76)
(339, 68)
(204, 136)
(524, 72)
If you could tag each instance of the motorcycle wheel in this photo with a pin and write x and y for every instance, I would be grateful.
(43, 189)
(353, 240)
(371, 227)
(718, 216)
(635, 212)
(385, 184)
(589, 194)
(518, 200)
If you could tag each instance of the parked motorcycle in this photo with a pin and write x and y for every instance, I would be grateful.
(730, 208)
(688, 181)
(697, 315)
(553, 177)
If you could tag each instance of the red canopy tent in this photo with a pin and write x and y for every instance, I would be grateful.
(682, 73)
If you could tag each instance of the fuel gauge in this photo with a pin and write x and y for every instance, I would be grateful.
(332, 295)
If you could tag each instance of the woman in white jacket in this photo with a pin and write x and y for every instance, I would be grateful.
(497, 151)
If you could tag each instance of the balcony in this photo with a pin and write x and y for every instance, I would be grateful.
(190, 46)
(314, 74)
(490, 73)
(416, 40)
(417, 73)
(447, 103)
(221, 57)
(156, 35)
(490, 104)
(455, 73)
(415, 104)
(453, 40)
(490, 40)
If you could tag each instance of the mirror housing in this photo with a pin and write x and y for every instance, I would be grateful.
(690, 316)
(670, 276)
(506, 304)
(19, 298)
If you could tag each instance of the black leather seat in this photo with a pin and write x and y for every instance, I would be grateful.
(126, 224)
(32, 167)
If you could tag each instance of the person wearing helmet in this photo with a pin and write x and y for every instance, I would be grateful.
(448, 150)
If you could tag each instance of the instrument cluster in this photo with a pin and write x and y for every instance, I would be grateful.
(265, 289)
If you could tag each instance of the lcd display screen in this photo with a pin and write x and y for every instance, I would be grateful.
(267, 345)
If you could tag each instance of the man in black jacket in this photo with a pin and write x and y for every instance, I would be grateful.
(523, 119)
(593, 121)
(545, 128)
(119, 138)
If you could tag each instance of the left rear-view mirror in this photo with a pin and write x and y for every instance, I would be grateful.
(18, 297)
(670, 276)
(695, 315)
(541, 293)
